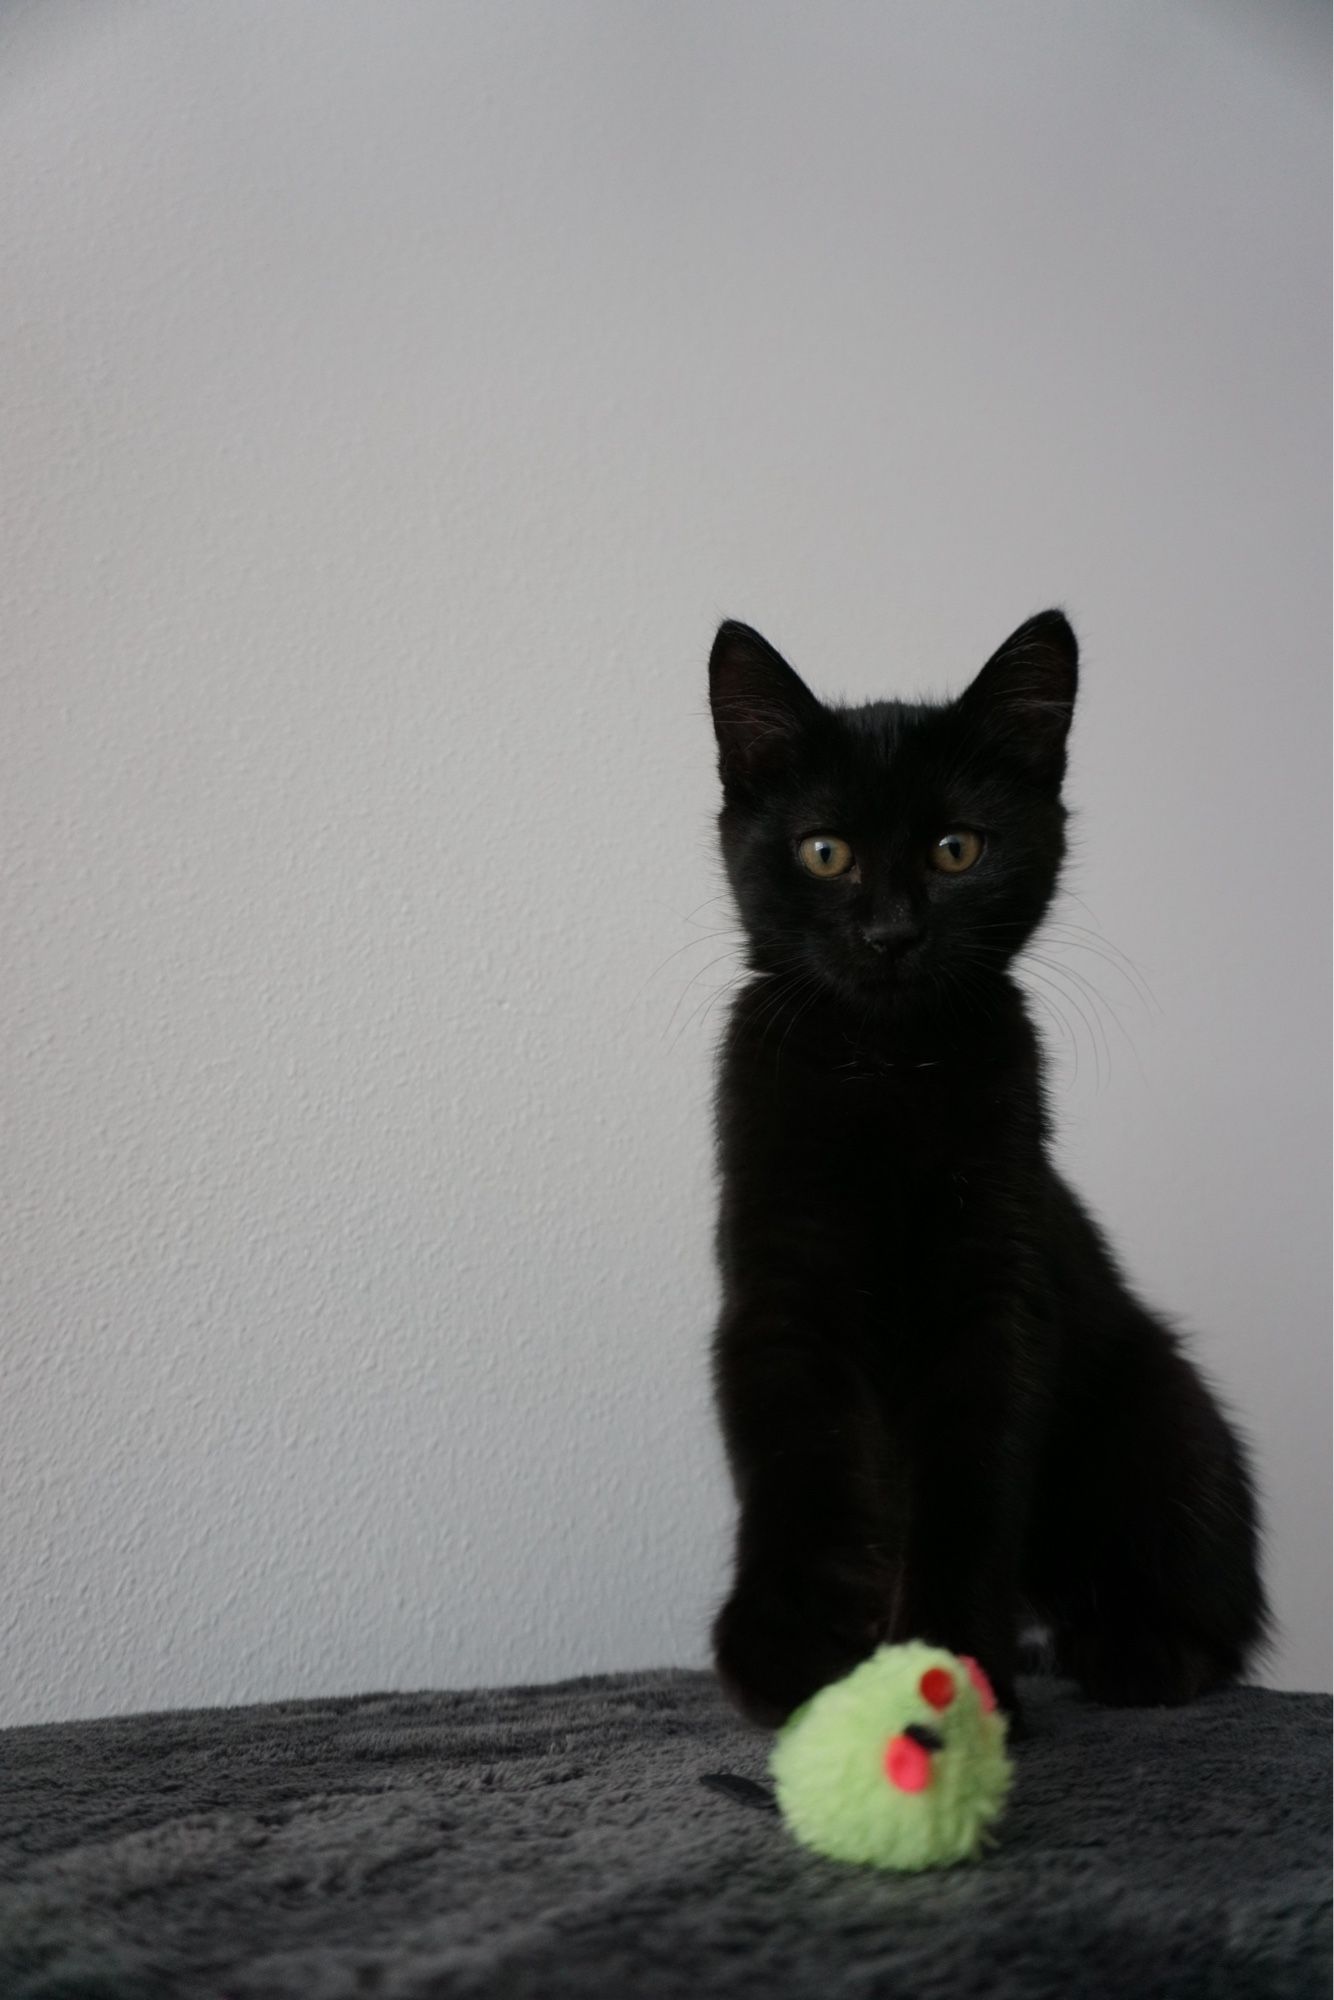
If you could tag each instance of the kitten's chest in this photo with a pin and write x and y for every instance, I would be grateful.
(903, 1127)
(912, 1212)
(898, 1169)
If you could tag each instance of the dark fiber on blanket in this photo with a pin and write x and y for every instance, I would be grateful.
(547, 1841)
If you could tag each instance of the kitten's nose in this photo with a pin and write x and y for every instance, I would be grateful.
(892, 935)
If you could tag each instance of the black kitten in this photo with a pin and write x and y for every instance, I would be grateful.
(942, 1406)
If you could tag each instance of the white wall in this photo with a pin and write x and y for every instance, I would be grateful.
(395, 396)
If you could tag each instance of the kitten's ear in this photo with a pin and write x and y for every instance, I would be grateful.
(1024, 696)
(761, 709)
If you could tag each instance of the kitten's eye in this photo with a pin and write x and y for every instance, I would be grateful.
(825, 854)
(955, 852)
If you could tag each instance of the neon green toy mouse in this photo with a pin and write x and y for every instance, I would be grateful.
(901, 1764)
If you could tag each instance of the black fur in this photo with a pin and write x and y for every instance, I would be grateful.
(943, 1409)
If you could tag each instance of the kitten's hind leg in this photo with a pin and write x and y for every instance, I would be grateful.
(1150, 1536)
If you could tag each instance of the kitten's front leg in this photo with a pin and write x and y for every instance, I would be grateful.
(982, 1408)
(965, 1550)
(818, 1546)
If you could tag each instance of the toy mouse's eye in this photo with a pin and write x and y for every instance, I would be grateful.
(937, 1687)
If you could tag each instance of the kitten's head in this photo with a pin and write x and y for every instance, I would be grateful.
(902, 852)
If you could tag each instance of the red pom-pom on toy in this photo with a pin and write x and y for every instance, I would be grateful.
(907, 1764)
(937, 1687)
(980, 1682)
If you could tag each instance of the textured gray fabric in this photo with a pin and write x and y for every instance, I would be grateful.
(557, 1841)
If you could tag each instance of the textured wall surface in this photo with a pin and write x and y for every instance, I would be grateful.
(394, 398)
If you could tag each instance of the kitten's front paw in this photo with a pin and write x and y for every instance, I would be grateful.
(774, 1645)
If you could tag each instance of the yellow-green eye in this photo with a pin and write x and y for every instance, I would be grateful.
(825, 854)
(957, 851)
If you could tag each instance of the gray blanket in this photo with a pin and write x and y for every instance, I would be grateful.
(558, 1840)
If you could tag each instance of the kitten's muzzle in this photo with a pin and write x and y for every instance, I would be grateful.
(893, 936)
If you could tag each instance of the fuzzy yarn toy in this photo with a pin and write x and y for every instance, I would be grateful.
(901, 1764)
